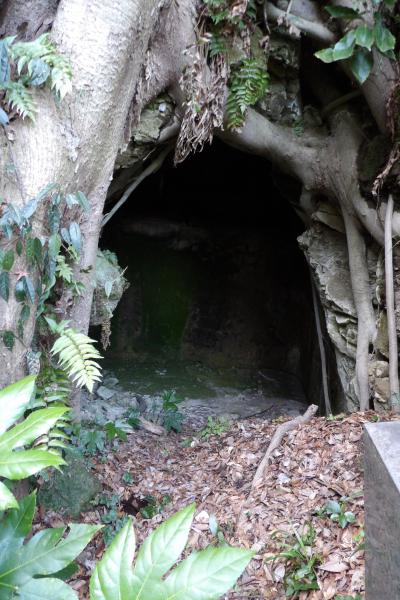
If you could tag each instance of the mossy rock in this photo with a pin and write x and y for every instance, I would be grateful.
(71, 491)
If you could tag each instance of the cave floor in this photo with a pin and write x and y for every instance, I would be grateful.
(232, 393)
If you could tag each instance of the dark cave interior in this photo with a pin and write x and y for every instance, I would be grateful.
(216, 275)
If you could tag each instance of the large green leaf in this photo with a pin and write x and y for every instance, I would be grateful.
(384, 38)
(361, 65)
(364, 36)
(5, 285)
(36, 424)
(47, 588)
(46, 553)
(207, 574)
(14, 400)
(17, 523)
(112, 577)
(7, 499)
(17, 465)
(344, 47)
(161, 549)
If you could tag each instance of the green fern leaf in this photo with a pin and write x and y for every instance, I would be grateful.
(76, 355)
(19, 98)
(248, 84)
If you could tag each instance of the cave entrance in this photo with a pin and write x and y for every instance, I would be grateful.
(220, 302)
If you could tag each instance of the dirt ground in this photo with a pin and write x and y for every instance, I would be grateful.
(318, 462)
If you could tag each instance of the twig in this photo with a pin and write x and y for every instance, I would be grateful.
(390, 309)
(278, 436)
(152, 168)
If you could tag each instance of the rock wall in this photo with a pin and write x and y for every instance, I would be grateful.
(324, 245)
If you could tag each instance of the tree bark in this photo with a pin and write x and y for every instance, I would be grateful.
(75, 144)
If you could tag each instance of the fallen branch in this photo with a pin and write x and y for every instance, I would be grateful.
(278, 437)
(151, 427)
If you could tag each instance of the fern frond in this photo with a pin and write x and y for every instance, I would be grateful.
(75, 354)
(247, 86)
(19, 98)
(52, 387)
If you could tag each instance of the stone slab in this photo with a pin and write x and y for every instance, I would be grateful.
(382, 510)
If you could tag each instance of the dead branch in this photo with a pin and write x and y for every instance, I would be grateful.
(151, 427)
(277, 438)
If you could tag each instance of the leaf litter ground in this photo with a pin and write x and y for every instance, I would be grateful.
(318, 462)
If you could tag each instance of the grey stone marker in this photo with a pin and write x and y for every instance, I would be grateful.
(382, 510)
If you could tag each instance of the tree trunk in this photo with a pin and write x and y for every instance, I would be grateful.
(75, 145)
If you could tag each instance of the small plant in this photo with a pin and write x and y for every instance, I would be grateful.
(127, 478)
(337, 512)
(209, 573)
(153, 507)
(216, 426)
(133, 418)
(301, 561)
(88, 441)
(117, 430)
(111, 517)
(172, 417)
(216, 530)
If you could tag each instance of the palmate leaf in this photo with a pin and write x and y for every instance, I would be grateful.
(76, 353)
(46, 553)
(204, 575)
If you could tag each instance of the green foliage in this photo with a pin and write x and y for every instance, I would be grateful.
(76, 354)
(153, 507)
(206, 574)
(337, 512)
(301, 561)
(248, 84)
(45, 554)
(17, 462)
(358, 42)
(111, 517)
(216, 426)
(356, 597)
(49, 259)
(172, 417)
(226, 21)
(26, 65)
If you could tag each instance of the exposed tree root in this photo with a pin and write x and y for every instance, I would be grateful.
(275, 442)
(390, 310)
(278, 436)
(359, 276)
